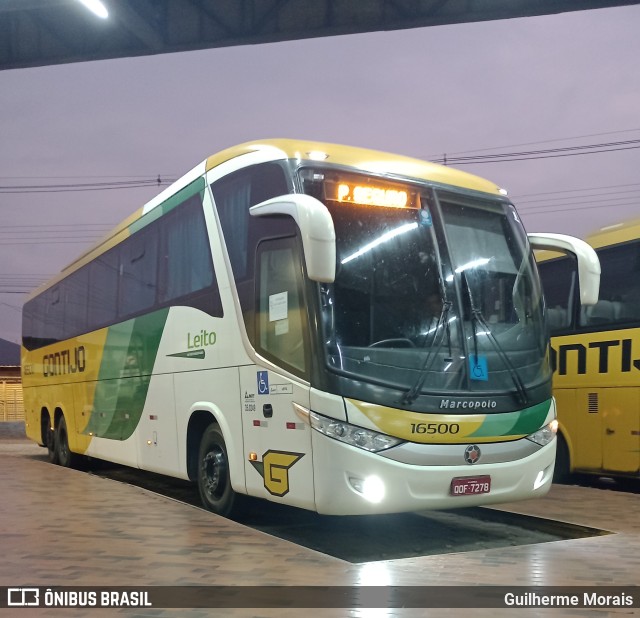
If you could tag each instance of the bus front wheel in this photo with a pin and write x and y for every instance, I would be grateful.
(214, 481)
(562, 470)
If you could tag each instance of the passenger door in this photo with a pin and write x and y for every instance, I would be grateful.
(277, 441)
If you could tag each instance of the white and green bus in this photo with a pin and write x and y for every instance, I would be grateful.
(333, 328)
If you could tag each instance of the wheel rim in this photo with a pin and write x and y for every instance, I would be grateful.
(214, 474)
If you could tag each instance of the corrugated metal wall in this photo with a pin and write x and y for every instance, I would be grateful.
(11, 402)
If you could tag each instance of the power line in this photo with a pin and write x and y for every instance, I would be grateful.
(12, 307)
(614, 201)
(548, 141)
(633, 184)
(48, 242)
(533, 213)
(144, 176)
(87, 186)
(549, 153)
(47, 225)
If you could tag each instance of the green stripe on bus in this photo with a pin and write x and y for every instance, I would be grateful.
(125, 373)
(168, 205)
(521, 422)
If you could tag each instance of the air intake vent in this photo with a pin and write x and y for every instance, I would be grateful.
(593, 403)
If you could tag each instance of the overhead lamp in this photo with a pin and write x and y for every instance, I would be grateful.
(96, 7)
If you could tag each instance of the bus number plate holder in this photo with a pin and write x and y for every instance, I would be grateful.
(470, 485)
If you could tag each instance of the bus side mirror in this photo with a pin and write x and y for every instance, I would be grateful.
(588, 262)
(316, 229)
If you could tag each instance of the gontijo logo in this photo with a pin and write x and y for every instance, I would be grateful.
(64, 362)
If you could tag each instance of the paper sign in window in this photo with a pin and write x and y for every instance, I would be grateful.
(278, 306)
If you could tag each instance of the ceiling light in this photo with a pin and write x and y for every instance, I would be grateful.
(96, 7)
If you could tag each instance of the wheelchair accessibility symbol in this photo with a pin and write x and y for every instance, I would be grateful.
(478, 367)
(263, 382)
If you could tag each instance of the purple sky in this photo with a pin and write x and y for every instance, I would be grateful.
(511, 86)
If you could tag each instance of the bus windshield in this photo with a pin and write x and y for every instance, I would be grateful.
(435, 292)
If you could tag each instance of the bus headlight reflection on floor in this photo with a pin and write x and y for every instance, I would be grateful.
(372, 488)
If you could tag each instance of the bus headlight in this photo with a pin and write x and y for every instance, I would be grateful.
(545, 434)
(351, 434)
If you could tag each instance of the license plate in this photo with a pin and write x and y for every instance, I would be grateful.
(470, 485)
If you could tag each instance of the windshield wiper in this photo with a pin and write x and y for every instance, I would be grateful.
(478, 318)
(442, 328)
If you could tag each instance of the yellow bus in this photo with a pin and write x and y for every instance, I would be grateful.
(337, 329)
(596, 352)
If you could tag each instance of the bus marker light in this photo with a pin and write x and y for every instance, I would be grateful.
(253, 456)
(317, 155)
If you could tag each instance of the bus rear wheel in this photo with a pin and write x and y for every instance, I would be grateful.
(50, 442)
(66, 458)
(214, 481)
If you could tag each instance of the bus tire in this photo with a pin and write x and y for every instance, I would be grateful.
(214, 481)
(562, 470)
(50, 441)
(66, 458)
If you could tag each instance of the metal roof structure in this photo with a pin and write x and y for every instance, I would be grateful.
(46, 32)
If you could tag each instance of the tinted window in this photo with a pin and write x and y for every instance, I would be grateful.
(167, 262)
(103, 290)
(619, 299)
(234, 195)
(139, 272)
(559, 283)
(188, 276)
(75, 312)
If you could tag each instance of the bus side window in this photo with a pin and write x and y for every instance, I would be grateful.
(138, 272)
(187, 276)
(280, 310)
(559, 282)
(103, 289)
(619, 301)
(233, 196)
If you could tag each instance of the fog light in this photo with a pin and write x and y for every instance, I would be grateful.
(371, 488)
(541, 478)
